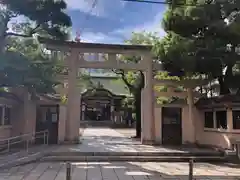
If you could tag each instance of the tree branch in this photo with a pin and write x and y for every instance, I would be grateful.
(123, 77)
(34, 29)
(142, 80)
(16, 34)
(130, 86)
(23, 35)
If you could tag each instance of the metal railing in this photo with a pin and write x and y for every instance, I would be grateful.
(190, 170)
(236, 148)
(23, 141)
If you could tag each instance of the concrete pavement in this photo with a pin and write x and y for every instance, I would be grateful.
(109, 140)
(120, 171)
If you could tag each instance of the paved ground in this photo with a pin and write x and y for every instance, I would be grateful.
(110, 140)
(105, 139)
(119, 171)
(22, 154)
(127, 132)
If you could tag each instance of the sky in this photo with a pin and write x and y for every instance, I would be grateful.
(113, 21)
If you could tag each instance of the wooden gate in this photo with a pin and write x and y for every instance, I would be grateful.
(171, 126)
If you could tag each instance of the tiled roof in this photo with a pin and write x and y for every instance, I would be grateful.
(113, 84)
(9, 95)
(223, 99)
(54, 97)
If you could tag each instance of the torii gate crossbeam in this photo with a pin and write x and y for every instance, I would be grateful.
(75, 60)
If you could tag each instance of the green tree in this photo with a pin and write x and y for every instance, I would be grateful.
(42, 16)
(22, 61)
(24, 64)
(134, 80)
(202, 39)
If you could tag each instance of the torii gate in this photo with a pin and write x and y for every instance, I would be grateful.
(75, 60)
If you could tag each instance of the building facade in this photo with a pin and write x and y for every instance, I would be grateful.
(100, 105)
(180, 122)
(213, 124)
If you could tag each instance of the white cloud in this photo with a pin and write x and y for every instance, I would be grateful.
(99, 38)
(16, 20)
(150, 26)
(119, 35)
(100, 8)
(87, 6)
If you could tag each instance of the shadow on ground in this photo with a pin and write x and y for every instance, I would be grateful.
(123, 144)
(119, 171)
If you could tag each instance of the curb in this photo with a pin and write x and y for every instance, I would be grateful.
(130, 159)
(137, 154)
(23, 160)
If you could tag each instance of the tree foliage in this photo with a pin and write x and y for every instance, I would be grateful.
(134, 80)
(40, 16)
(24, 64)
(22, 60)
(202, 38)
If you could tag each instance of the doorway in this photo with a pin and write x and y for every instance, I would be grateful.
(171, 126)
(47, 119)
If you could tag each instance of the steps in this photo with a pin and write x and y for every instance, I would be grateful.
(49, 155)
(132, 159)
(135, 156)
(23, 157)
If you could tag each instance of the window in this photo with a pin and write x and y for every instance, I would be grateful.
(208, 120)
(216, 119)
(221, 119)
(236, 119)
(5, 115)
(1, 115)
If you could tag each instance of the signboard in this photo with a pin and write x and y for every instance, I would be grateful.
(54, 118)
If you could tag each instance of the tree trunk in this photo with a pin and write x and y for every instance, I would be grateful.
(137, 104)
(223, 89)
(4, 32)
(229, 78)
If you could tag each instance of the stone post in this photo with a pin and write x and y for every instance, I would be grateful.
(190, 101)
(62, 123)
(229, 119)
(73, 103)
(83, 112)
(158, 125)
(112, 113)
(148, 121)
(29, 114)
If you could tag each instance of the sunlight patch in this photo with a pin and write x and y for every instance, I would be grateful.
(85, 167)
(114, 167)
(137, 173)
(80, 163)
(98, 163)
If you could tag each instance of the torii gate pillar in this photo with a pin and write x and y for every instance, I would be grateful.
(147, 105)
(74, 101)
